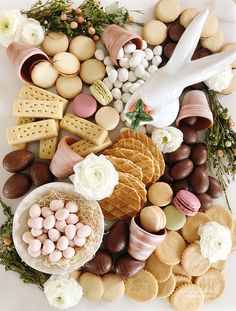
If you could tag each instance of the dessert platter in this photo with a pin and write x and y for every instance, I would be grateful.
(118, 155)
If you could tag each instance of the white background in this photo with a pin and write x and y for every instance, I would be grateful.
(14, 295)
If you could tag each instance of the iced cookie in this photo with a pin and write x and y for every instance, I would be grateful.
(69, 87)
(92, 70)
(227, 47)
(167, 11)
(107, 117)
(154, 32)
(55, 42)
(213, 43)
(44, 75)
(66, 63)
(82, 47)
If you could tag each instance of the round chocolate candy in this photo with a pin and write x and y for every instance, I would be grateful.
(18, 160)
(40, 173)
(117, 239)
(169, 49)
(180, 185)
(183, 152)
(126, 266)
(16, 186)
(199, 154)
(190, 134)
(214, 189)
(199, 180)
(182, 169)
(206, 201)
(166, 177)
(100, 264)
(175, 32)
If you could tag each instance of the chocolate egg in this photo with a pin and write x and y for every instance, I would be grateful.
(17, 160)
(199, 180)
(100, 264)
(190, 121)
(204, 166)
(190, 134)
(166, 177)
(40, 173)
(182, 169)
(199, 153)
(126, 266)
(116, 240)
(175, 31)
(180, 185)
(169, 49)
(183, 152)
(16, 186)
(206, 201)
(215, 189)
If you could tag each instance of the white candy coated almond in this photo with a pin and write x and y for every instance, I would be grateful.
(48, 246)
(79, 241)
(49, 222)
(70, 231)
(55, 256)
(36, 232)
(46, 211)
(35, 211)
(69, 252)
(62, 243)
(34, 245)
(60, 225)
(72, 207)
(62, 214)
(84, 231)
(34, 254)
(36, 223)
(27, 237)
(54, 234)
(72, 219)
(55, 205)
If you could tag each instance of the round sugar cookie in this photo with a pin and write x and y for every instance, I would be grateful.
(178, 270)
(44, 74)
(159, 270)
(107, 117)
(181, 279)
(227, 47)
(154, 32)
(190, 229)
(66, 63)
(92, 286)
(167, 11)
(55, 42)
(114, 287)
(92, 70)
(193, 262)
(187, 16)
(232, 87)
(221, 215)
(187, 297)
(75, 274)
(219, 265)
(165, 289)
(171, 249)
(142, 287)
(212, 283)
(82, 47)
(160, 194)
(213, 43)
(69, 87)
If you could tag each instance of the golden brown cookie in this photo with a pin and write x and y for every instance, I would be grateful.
(212, 283)
(92, 286)
(114, 287)
(181, 279)
(219, 265)
(221, 215)
(213, 43)
(142, 287)
(193, 262)
(159, 270)
(167, 11)
(190, 229)
(165, 289)
(171, 249)
(187, 298)
(178, 270)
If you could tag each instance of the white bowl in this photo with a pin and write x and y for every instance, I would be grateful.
(20, 226)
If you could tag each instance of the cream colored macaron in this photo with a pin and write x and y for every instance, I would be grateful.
(69, 87)
(107, 117)
(55, 42)
(66, 64)
(82, 47)
(92, 70)
(44, 74)
(160, 194)
(152, 219)
(154, 32)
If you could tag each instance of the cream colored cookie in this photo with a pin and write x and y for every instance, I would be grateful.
(55, 42)
(92, 70)
(75, 274)
(232, 87)
(69, 87)
(154, 32)
(178, 270)
(221, 215)
(165, 289)
(159, 270)
(82, 47)
(44, 74)
(227, 47)
(167, 11)
(142, 287)
(213, 43)
(219, 265)
(212, 283)
(181, 279)
(66, 64)
(92, 286)
(114, 287)
(187, 16)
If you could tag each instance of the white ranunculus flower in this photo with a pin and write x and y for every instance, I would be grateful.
(167, 139)
(215, 241)
(10, 22)
(95, 177)
(221, 80)
(32, 32)
(62, 291)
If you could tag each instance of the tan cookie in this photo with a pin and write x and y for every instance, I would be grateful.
(92, 70)
(187, 16)
(221, 215)
(178, 270)
(82, 47)
(219, 265)
(92, 286)
(213, 43)
(69, 87)
(154, 32)
(66, 64)
(227, 47)
(55, 42)
(190, 229)
(233, 235)
(181, 279)
(165, 289)
(171, 249)
(142, 287)
(187, 298)
(114, 287)
(44, 74)
(167, 11)
(232, 87)
(193, 262)
(212, 283)
(75, 274)
(159, 270)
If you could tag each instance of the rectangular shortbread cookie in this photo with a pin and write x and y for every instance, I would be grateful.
(38, 109)
(26, 133)
(20, 121)
(84, 147)
(83, 128)
(47, 148)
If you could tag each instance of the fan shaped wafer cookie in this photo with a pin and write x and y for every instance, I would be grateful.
(148, 143)
(126, 166)
(134, 144)
(124, 202)
(135, 183)
(144, 162)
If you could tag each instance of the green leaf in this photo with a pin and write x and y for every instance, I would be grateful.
(113, 8)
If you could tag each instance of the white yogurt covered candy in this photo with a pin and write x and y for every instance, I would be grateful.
(139, 71)
(144, 63)
(149, 128)
(36, 223)
(123, 74)
(54, 234)
(158, 50)
(35, 245)
(72, 219)
(133, 87)
(139, 53)
(118, 84)
(36, 232)
(116, 93)
(27, 237)
(142, 129)
(152, 69)
(140, 81)
(62, 243)
(84, 231)
(131, 76)
(42, 237)
(55, 205)
(46, 211)
(120, 54)
(69, 252)
(148, 54)
(112, 75)
(122, 116)
(55, 256)
(62, 214)
(118, 105)
(125, 97)
(124, 62)
(79, 241)
(35, 211)
(146, 76)
(109, 68)
(129, 48)
(34, 254)
(48, 246)
(72, 207)
(108, 83)
(108, 61)
(126, 86)
(144, 45)
(127, 124)
(60, 225)
(70, 231)
(135, 60)
(156, 60)
(99, 54)
(49, 222)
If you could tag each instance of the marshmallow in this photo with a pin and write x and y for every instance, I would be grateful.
(148, 54)
(107, 61)
(123, 74)
(99, 54)
(118, 105)
(157, 50)
(108, 83)
(135, 61)
(125, 97)
(112, 75)
(126, 86)
(116, 93)
(120, 54)
(152, 69)
(124, 63)
(139, 71)
(132, 76)
(129, 48)
(156, 60)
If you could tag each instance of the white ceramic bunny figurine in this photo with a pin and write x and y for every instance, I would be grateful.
(161, 92)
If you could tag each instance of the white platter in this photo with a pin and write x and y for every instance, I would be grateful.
(14, 295)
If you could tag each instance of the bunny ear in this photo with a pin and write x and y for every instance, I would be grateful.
(187, 43)
(205, 68)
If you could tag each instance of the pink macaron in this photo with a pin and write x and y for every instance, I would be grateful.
(84, 105)
(187, 203)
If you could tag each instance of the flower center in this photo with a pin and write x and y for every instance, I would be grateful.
(59, 299)
(165, 140)
(4, 26)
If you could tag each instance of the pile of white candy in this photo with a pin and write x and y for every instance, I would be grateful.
(136, 66)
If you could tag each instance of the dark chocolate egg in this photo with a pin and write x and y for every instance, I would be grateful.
(182, 169)
(126, 266)
(190, 134)
(183, 152)
(180, 185)
(206, 201)
(100, 264)
(215, 189)
(117, 238)
(166, 177)
(199, 153)
(16, 186)
(18, 160)
(199, 180)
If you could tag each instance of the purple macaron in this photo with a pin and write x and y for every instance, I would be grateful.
(84, 105)
(187, 203)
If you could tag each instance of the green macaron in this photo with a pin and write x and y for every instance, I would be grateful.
(175, 220)
(101, 92)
